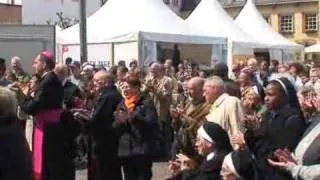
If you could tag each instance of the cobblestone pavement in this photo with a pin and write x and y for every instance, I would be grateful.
(160, 172)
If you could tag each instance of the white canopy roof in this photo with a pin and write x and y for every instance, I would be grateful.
(212, 18)
(252, 22)
(126, 20)
(312, 49)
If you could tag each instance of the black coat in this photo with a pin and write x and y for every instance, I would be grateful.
(279, 131)
(138, 136)
(102, 116)
(48, 97)
(70, 91)
(15, 156)
(209, 170)
(103, 134)
(56, 142)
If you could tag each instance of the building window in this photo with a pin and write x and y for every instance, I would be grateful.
(286, 23)
(175, 2)
(311, 22)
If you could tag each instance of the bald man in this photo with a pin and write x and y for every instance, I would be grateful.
(101, 129)
(71, 91)
(18, 71)
(187, 121)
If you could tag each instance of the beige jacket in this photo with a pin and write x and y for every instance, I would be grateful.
(162, 97)
(227, 111)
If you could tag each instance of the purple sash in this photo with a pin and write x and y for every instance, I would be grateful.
(42, 118)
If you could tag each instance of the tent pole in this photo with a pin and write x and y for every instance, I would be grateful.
(140, 60)
(229, 56)
(282, 58)
(112, 54)
(83, 32)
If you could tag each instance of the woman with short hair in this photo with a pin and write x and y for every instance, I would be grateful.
(136, 126)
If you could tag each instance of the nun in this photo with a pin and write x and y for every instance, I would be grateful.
(279, 125)
(212, 145)
(304, 162)
(239, 165)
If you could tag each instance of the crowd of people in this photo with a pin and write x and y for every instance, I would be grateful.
(254, 121)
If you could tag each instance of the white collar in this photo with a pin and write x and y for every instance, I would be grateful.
(210, 156)
(44, 74)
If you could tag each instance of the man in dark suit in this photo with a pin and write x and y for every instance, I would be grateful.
(100, 127)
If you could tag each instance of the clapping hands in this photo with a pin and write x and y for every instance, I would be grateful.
(16, 88)
(81, 114)
(252, 122)
(120, 116)
(238, 140)
(186, 162)
(174, 167)
(285, 159)
(176, 113)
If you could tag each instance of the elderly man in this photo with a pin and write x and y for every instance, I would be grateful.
(18, 71)
(226, 110)
(160, 88)
(314, 76)
(76, 77)
(70, 89)
(101, 129)
(15, 156)
(232, 88)
(189, 119)
(72, 99)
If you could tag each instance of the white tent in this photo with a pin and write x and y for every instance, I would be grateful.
(252, 22)
(210, 16)
(313, 49)
(131, 28)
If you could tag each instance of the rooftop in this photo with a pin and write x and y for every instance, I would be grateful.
(231, 3)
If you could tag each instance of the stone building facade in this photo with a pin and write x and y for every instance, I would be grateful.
(297, 20)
